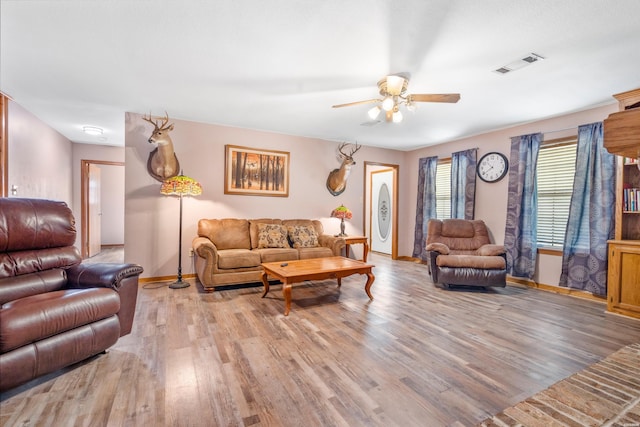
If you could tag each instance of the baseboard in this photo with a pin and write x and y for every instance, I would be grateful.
(164, 278)
(557, 289)
(410, 259)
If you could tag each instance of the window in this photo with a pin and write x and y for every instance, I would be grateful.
(443, 189)
(554, 174)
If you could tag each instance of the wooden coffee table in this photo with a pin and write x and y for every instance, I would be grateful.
(291, 272)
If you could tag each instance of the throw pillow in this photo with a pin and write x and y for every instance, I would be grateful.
(272, 236)
(303, 236)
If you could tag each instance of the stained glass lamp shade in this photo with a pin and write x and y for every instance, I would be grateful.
(343, 213)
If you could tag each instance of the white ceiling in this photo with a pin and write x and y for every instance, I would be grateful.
(280, 65)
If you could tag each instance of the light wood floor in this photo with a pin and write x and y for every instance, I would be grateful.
(415, 356)
(108, 254)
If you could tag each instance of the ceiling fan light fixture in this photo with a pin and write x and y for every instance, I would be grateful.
(374, 112)
(388, 104)
(92, 130)
(393, 95)
(395, 85)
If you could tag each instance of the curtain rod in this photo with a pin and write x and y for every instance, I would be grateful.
(560, 130)
(552, 131)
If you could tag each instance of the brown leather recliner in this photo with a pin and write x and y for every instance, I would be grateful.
(54, 310)
(460, 253)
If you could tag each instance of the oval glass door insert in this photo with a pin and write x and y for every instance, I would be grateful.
(384, 212)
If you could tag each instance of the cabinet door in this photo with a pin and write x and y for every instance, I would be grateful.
(624, 278)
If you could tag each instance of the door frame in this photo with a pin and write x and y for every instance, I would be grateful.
(84, 201)
(366, 200)
(4, 145)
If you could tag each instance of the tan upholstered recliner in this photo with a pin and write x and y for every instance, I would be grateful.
(460, 253)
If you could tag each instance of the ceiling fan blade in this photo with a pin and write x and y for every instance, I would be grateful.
(435, 97)
(349, 104)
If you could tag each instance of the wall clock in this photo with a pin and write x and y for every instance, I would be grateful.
(492, 167)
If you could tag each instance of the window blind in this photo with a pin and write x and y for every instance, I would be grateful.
(443, 189)
(555, 172)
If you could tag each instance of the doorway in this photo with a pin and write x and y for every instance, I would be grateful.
(102, 205)
(381, 207)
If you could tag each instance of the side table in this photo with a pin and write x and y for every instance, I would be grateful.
(352, 240)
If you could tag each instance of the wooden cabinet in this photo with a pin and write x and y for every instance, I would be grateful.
(623, 282)
(622, 129)
(622, 137)
(621, 132)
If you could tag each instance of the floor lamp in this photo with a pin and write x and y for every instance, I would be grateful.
(180, 186)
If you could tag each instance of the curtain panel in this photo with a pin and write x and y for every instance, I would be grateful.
(591, 214)
(520, 231)
(463, 184)
(426, 203)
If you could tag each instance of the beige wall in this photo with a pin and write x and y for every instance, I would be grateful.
(151, 220)
(491, 199)
(39, 158)
(112, 205)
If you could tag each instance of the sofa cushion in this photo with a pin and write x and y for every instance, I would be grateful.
(22, 321)
(237, 258)
(302, 236)
(272, 236)
(227, 233)
(26, 224)
(471, 261)
(317, 225)
(13, 288)
(317, 252)
(461, 236)
(253, 228)
(277, 254)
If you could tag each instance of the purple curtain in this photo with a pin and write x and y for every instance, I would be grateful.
(520, 235)
(591, 213)
(463, 184)
(426, 204)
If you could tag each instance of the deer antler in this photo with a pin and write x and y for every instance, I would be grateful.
(148, 119)
(163, 126)
(340, 147)
(351, 153)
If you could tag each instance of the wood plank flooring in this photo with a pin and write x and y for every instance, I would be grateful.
(415, 355)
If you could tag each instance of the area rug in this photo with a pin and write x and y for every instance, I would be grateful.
(604, 394)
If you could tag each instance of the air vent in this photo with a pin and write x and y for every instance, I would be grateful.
(531, 58)
(519, 63)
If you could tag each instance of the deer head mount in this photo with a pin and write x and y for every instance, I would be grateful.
(162, 163)
(337, 179)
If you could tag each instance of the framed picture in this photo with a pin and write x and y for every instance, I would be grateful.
(256, 172)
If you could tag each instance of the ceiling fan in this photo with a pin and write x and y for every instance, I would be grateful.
(393, 90)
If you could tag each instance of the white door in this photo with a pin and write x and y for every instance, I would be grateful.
(381, 233)
(95, 211)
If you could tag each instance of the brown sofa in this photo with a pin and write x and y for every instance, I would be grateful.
(54, 310)
(230, 251)
(460, 253)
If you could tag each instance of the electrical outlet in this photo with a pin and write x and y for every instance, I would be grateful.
(191, 252)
